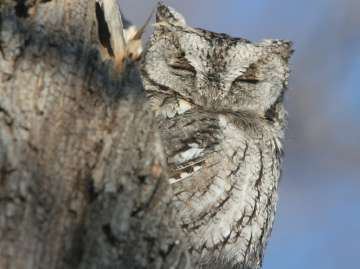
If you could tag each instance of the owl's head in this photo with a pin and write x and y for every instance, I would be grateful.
(212, 70)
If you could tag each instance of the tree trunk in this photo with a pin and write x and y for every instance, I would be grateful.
(82, 172)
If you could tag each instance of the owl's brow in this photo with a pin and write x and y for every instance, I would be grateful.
(211, 36)
(166, 90)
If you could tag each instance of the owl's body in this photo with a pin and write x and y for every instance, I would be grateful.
(219, 106)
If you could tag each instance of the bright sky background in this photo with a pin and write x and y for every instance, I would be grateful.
(318, 220)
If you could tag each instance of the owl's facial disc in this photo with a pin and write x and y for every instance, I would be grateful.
(214, 70)
(217, 61)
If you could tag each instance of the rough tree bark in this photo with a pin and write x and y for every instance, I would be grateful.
(82, 172)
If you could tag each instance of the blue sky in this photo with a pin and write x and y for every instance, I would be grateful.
(319, 209)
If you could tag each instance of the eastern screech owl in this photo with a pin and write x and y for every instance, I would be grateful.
(219, 104)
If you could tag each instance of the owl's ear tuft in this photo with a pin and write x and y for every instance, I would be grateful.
(282, 47)
(168, 15)
(285, 48)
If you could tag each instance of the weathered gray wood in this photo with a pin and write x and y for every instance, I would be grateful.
(82, 171)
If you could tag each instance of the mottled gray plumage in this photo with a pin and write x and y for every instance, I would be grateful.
(219, 102)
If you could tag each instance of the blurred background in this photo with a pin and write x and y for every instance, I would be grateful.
(318, 218)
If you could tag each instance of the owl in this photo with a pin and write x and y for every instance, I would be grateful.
(219, 106)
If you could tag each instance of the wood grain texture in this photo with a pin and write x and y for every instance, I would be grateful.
(82, 173)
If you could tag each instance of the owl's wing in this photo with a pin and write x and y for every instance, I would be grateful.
(190, 139)
(225, 177)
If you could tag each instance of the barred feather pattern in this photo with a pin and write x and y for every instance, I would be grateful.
(225, 173)
(219, 106)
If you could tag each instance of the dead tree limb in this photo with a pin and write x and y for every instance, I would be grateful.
(82, 171)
